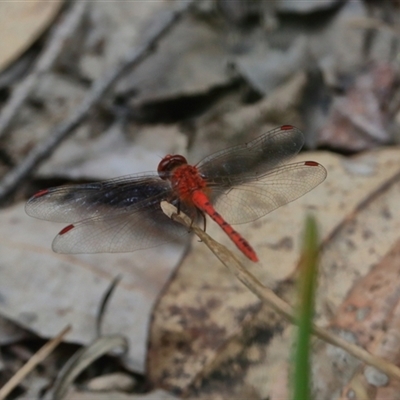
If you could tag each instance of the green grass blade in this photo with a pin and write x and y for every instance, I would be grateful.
(307, 286)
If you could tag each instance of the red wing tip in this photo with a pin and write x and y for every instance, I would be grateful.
(312, 164)
(41, 193)
(66, 229)
(286, 127)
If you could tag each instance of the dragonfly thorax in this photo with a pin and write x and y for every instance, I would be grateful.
(185, 180)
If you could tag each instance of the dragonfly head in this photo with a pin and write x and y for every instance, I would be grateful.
(169, 163)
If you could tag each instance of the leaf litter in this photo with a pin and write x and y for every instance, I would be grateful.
(205, 321)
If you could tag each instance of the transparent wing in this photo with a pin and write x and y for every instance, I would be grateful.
(253, 199)
(117, 215)
(124, 214)
(115, 233)
(74, 203)
(252, 160)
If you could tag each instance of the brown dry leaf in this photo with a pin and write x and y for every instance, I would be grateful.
(205, 307)
(233, 125)
(369, 307)
(266, 70)
(114, 27)
(144, 273)
(21, 23)
(371, 314)
(257, 358)
(43, 291)
(114, 154)
(264, 364)
(360, 119)
(360, 242)
(192, 59)
(59, 97)
(365, 246)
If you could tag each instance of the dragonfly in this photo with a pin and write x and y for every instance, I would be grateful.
(233, 186)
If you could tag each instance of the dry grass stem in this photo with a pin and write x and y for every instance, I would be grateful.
(83, 358)
(37, 358)
(269, 297)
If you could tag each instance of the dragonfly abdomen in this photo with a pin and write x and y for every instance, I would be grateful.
(202, 202)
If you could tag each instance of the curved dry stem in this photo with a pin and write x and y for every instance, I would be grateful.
(82, 359)
(269, 297)
(37, 358)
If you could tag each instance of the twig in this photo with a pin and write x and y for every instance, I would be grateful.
(20, 93)
(83, 358)
(44, 148)
(269, 297)
(104, 302)
(37, 358)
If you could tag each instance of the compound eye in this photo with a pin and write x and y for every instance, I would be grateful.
(169, 163)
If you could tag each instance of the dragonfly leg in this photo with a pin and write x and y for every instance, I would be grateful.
(202, 215)
(178, 207)
(204, 220)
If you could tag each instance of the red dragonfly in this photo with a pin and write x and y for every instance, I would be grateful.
(233, 186)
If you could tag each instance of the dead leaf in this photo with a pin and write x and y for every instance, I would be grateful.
(267, 69)
(114, 153)
(205, 307)
(114, 28)
(192, 60)
(58, 96)
(368, 308)
(360, 247)
(43, 291)
(21, 23)
(361, 119)
(370, 313)
(237, 125)
(359, 244)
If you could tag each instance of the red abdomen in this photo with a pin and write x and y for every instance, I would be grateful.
(201, 201)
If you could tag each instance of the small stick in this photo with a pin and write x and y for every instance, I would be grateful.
(269, 297)
(37, 358)
(63, 31)
(56, 136)
(104, 302)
